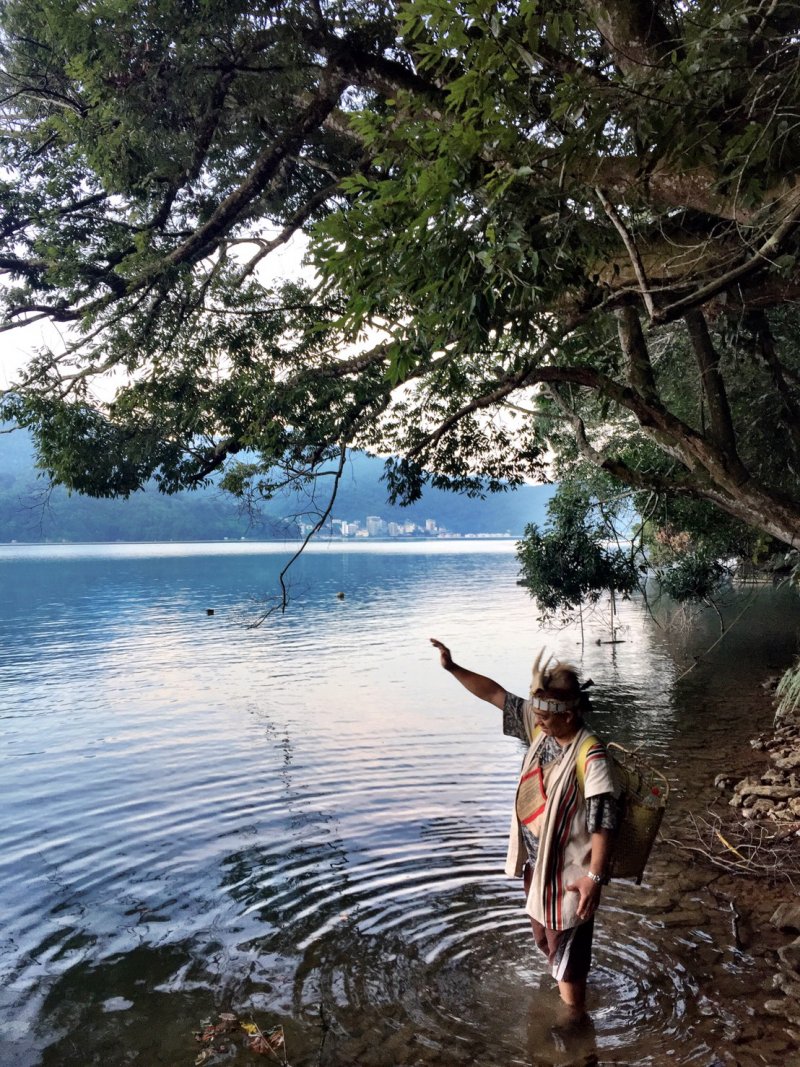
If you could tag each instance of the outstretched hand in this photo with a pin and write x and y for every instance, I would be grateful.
(444, 652)
(477, 684)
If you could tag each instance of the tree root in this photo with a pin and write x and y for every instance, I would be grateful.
(757, 851)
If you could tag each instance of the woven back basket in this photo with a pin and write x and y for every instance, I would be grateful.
(643, 799)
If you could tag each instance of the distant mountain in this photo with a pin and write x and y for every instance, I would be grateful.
(28, 512)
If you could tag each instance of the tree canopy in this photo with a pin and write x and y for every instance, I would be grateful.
(567, 228)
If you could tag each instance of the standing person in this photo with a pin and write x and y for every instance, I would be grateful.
(564, 814)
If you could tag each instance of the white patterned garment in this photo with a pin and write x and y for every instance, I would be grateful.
(565, 844)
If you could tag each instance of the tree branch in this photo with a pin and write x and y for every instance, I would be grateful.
(528, 374)
(687, 485)
(760, 259)
(779, 374)
(634, 345)
(374, 70)
(284, 598)
(633, 251)
(636, 35)
(709, 465)
(294, 224)
(650, 179)
(204, 239)
(603, 460)
(722, 429)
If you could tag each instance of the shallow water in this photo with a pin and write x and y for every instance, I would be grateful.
(307, 820)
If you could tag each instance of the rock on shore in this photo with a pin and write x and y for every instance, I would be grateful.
(773, 795)
(787, 979)
(772, 799)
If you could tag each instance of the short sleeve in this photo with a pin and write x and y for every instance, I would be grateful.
(599, 773)
(602, 813)
(514, 717)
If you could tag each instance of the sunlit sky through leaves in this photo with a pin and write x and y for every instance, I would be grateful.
(17, 347)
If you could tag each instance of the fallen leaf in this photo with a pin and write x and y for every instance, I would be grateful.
(267, 1044)
(206, 1036)
(213, 1034)
(260, 1043)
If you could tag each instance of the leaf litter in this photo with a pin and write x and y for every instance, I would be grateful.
(231, 1033)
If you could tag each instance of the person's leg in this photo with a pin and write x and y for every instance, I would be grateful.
(569, 954)
(574, 996)
(539, 933)
(574, 969)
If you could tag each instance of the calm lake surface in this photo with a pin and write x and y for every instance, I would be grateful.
(306, 821)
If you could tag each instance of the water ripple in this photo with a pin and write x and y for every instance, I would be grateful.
(312, 813)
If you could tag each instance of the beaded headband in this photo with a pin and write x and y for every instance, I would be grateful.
(539, 682)
(555, 707)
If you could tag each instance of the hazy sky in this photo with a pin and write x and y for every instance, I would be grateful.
(17, 346)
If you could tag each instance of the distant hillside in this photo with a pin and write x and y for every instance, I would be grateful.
(29, 513)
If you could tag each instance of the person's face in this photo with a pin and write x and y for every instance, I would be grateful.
(560, 725)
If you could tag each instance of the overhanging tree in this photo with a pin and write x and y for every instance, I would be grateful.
(567, 225)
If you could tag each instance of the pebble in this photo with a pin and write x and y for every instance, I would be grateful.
(789, 955)
(785, 1008)
(787, 916)
(684, 917)
(786, 985)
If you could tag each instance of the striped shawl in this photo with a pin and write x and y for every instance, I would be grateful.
(565, 847)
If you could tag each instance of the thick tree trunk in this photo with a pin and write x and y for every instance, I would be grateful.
(776, 515)
(712, 469)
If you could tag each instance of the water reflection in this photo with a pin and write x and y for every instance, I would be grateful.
(308, 820)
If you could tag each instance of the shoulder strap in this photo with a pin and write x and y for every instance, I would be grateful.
(580, 762)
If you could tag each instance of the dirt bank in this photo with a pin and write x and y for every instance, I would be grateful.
(764, 846)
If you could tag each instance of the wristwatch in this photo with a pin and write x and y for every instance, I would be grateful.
(596, 878)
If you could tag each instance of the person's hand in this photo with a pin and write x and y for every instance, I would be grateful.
(590, 896)
(444, 651)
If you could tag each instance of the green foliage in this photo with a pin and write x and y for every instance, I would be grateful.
(676, 525)
(80, 448)
(572, 562)
(694, 577)
(788, 694)
(599, 540)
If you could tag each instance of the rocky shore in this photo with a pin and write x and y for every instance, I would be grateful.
(769, 803)
(773, 795)
(787, 979)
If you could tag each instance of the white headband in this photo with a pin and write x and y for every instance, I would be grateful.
(556, 707)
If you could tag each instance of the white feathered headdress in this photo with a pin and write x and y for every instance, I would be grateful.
(541, 680)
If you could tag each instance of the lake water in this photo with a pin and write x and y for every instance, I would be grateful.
(306, 820)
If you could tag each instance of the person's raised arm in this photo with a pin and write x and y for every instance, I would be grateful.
(478, 684)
